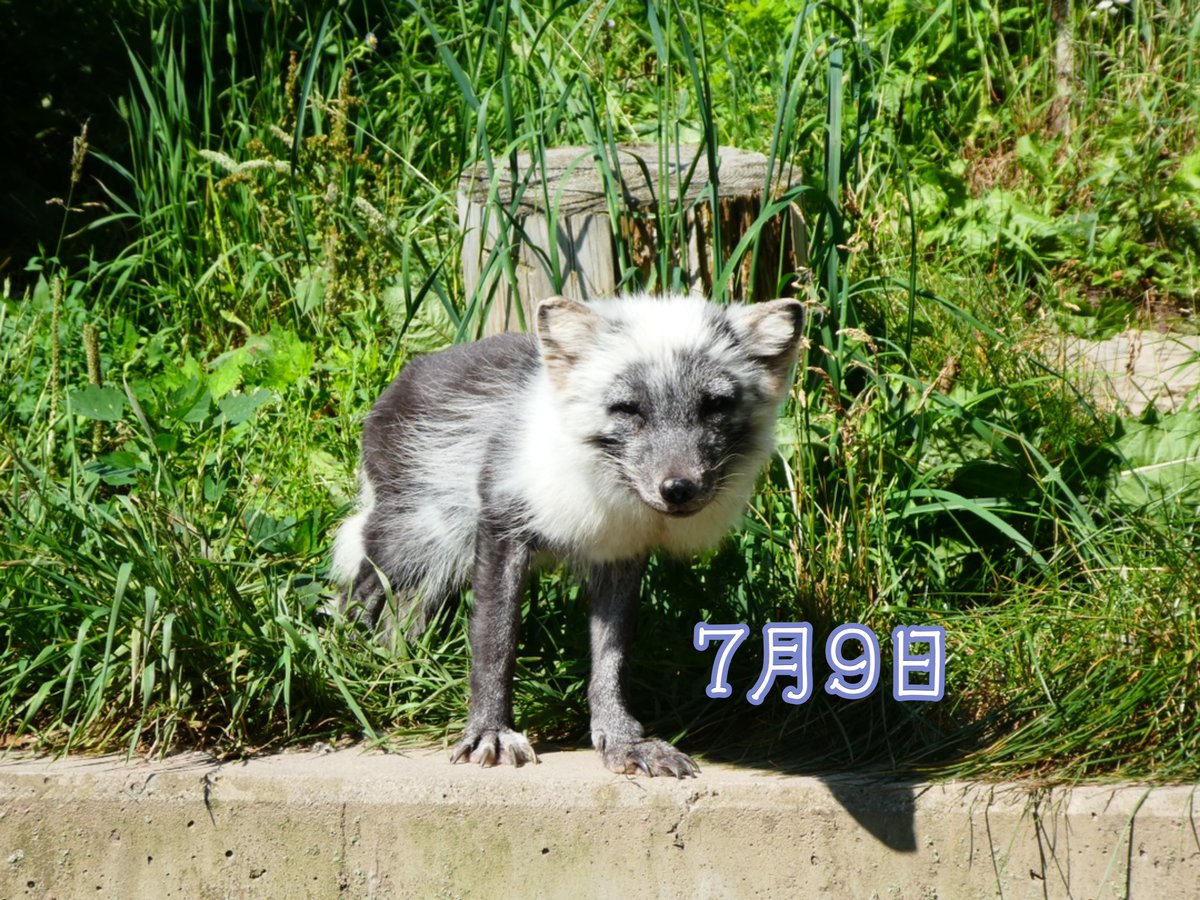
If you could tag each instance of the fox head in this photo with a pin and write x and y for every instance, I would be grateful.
(676, 395)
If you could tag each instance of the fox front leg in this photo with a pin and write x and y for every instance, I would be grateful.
(501, 567)
(619, 737)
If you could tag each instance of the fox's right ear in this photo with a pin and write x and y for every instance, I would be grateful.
(566, 330)
(773, 332)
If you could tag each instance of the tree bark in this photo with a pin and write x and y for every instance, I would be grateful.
(1064, 67)
(508, 219)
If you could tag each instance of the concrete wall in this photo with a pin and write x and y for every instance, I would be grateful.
(373, 825)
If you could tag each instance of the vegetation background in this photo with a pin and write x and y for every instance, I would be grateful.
(227, 225)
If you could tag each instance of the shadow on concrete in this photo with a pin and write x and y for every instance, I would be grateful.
(884, 807)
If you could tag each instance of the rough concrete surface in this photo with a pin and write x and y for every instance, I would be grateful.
(1135, 369)
(360, 824)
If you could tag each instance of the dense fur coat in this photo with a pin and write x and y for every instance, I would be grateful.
(625, 426)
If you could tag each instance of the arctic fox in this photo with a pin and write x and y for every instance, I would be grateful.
(624, 426)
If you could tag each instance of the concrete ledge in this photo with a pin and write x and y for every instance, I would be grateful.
(372, 825)
(1135, 369)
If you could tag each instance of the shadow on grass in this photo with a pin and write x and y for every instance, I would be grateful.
(874, 755)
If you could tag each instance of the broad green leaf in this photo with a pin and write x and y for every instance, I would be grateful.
(105, 404)
(226, 373)
(238, 408)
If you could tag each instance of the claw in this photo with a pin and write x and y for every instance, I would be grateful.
(485, 754)
(507, 755)
(487, 747)
(649, 757)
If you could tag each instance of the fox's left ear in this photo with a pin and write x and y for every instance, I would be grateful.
(566, 330)
(772, 332)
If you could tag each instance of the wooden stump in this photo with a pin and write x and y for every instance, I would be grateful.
(507, 223)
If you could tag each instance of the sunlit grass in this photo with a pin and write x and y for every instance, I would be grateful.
(292, 240)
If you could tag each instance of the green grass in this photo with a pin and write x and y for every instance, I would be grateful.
(286, 237)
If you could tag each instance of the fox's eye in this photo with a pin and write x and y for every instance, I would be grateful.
(717, 404)
(625, 408)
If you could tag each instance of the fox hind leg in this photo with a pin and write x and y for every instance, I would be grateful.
(366, 599)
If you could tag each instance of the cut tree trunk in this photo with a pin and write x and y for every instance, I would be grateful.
(1062, 110)
(508, 219)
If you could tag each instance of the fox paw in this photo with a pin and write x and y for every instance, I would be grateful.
(651, 757)
(490, 747)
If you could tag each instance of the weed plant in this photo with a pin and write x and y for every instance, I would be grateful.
(179, 431)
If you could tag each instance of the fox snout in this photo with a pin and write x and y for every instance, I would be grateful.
(675, 471)
(678, 492)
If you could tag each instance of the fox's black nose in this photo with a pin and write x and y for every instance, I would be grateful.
(678, 491)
